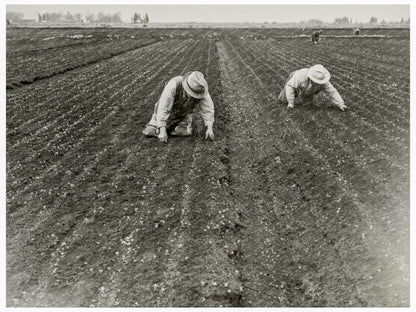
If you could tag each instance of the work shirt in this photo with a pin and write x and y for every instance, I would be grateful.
(299, 84)
(315, 35)
(175, 103)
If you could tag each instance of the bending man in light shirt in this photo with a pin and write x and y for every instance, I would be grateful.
(173, 112)
(303, 84)
(315, 37)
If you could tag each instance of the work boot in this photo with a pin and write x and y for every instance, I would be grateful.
(182, 131)
(150, 131)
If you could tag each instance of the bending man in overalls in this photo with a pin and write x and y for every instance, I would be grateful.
(173, 112)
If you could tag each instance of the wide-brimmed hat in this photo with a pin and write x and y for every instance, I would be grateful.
(318, 74)
(195, 84)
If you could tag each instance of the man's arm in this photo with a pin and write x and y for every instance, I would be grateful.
(335, 96)
(290, 95)
(295, 81)
(207, 114)
(163, 111)
(165, 103)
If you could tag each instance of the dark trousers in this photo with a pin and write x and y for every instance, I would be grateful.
(176, 119)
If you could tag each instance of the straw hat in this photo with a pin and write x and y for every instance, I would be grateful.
(195, 84)
(318, 74)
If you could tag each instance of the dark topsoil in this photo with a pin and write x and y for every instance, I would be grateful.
(283, 209)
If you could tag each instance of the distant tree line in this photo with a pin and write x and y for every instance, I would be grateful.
(138, 19)
(343, 21)
(348, 21)
(374, 20)
(68, 17)
(108, 18)
(116, 18)
(54, 17)
(77, 17)
(14, 16)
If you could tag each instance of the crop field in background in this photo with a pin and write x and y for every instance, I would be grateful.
(301, 208)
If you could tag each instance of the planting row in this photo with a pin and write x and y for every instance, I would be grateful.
(20, 40)
(28, 67)
(281, 32)
(395, 164)
(285, 208)
(332, 163)
(78, 180)
(47, 127)
(116, 219)
(25, 40)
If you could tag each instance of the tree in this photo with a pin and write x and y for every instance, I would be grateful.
(39, 18)
(78, 17)
(51, 16)
(102, 18)
(137, 18)
(116, 18)
(373, 20)
(342, 21)
(68, 16)
(312, 23)
(108, 18)
(14, 16)
(90, 18)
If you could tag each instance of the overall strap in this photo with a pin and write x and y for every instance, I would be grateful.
(179, 91)
(180, 96)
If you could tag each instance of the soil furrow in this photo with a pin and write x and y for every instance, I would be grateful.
(357, 155)
(18, 84)
(73, 109)
(345, 76)
(352, 72)
(285, 208)
(245, 177)
(165, 163)
(53, 165)
(198, 245)
(377, 256)
(85, 86)
(75, 237)
(315, 57)
(395, 196)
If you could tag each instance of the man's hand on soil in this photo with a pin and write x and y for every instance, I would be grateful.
(289, 106)
(163, 136)
(343, 107)
(209, 134)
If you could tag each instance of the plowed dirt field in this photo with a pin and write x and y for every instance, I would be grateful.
(301, 208)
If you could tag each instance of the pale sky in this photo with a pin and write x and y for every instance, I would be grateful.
(228, 13)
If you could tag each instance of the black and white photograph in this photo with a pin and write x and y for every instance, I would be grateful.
(204, 154)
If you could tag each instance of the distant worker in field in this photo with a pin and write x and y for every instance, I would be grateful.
(173, 113)
(303, 84)
(315, 37)
(356, 32)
